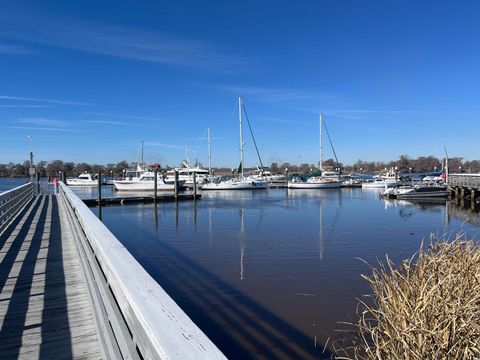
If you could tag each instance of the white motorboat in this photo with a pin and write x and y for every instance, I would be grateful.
(315, 182)
(266, 175)
(84, 179)
(236, 184)
(387, 180)
(240, 183)
(186, 173)
(146, 182)
(420, 191)
(352, 180)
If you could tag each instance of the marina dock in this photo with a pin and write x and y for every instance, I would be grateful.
(141, 199)
(465, 188)
(69, 289)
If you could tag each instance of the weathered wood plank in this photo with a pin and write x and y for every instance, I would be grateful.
(45, 311)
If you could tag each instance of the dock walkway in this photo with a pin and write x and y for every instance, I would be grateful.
(45, 309)
(70, 290)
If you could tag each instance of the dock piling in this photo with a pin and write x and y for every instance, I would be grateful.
(37, 185)
(194, 185)
(176, 184)
(99, 195)
(155, 187)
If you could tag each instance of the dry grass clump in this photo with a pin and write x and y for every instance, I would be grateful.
(426, 308)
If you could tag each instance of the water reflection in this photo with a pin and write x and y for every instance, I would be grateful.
(269, 274)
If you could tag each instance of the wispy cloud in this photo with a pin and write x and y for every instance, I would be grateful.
(107, 122)
(281, 121)
(48, 101)
(164, 145)
(3, 106)
(122, 116)
(43, 122)
(205, 138)
(43, 128)
(271, 94)
(10, 49)
(117, 41)
(361, 114)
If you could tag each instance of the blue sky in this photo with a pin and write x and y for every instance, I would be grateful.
(89, 80)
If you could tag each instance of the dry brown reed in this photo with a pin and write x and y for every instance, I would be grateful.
(428, 307)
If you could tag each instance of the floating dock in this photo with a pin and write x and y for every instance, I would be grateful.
(140, 199)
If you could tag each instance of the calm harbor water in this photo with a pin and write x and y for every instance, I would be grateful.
(269, 274)
(10, 183)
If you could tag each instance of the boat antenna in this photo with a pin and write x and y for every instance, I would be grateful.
(209, 151)
(241, 133)
(253, 137)
(331, 144)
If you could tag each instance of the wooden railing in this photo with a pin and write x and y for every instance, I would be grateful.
(136, 317)
(464, 180)
(12, 201)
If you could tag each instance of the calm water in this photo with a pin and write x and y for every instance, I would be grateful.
(269, 274)
(10, 183)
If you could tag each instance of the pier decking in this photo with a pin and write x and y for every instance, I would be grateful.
(70, 289)
(45, 311)
(465, 188)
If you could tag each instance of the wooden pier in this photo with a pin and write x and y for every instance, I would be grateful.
(465, 188)
(69, 289)
(45, 310)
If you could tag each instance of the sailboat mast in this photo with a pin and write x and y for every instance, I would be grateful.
(142, 153)
(320, 163)
(241, 133)
(209, 151)
(446, 162)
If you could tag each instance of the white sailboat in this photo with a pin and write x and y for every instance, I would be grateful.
(325, 181)
(240, 183)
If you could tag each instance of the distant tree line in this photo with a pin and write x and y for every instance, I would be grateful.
(404, 164)
(53, 168)
(422, 164)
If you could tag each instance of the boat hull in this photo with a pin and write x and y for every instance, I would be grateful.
(378, 185)
(126, 185)
(314, 185)
(423, 195)
(75, 182)
(236, 185)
